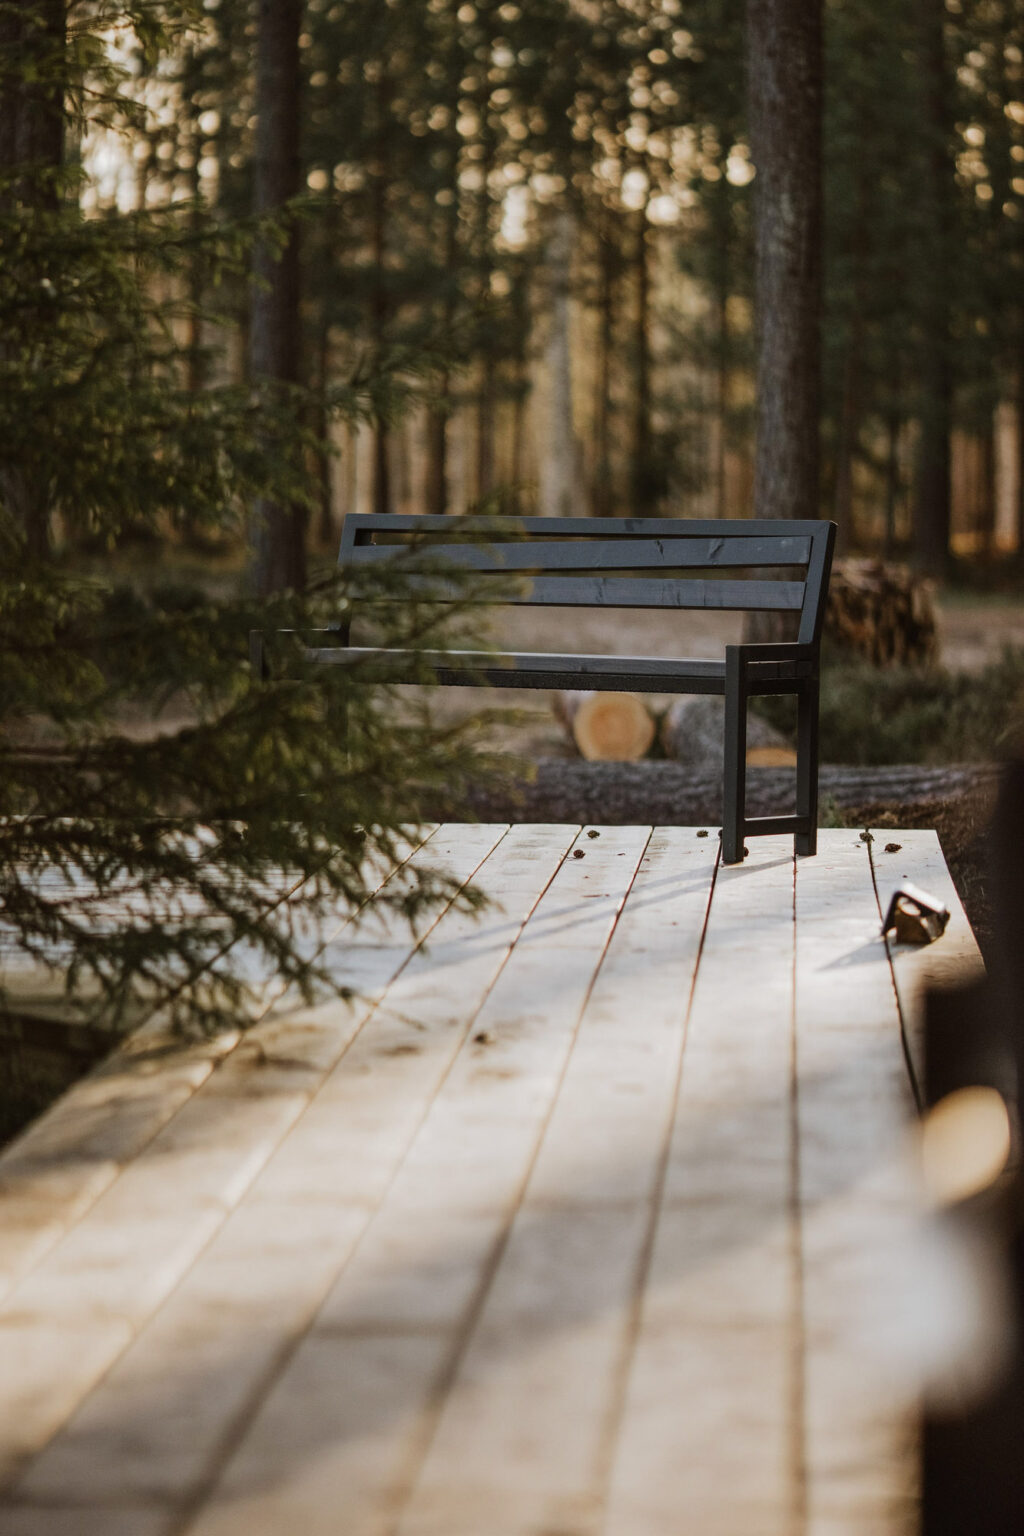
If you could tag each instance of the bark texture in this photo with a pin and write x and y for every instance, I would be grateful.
(668, 794)
(558, 481)
(33, 50)
(933, 488)
(277, 538)
(784, 64)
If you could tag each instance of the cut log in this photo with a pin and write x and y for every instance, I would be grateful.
(882, 612)
(606, 727)
(693, 732)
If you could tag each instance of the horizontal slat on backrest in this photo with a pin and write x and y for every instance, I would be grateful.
(511, 545)
(593, 555)
(454, 527)
(620, 592)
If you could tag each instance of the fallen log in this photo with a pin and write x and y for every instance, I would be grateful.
(667, 794)
(606, 727)
(692, 732)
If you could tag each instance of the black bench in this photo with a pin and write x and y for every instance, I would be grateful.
(633, 563)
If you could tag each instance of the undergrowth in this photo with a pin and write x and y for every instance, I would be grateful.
(914, 715)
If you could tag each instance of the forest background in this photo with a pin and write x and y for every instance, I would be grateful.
(263, 264)
(524, 246)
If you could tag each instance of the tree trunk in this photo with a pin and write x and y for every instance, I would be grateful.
(892, 479)
(380, 300)
(721, 282)
(603, 497)
(327, 528)
(933, 490)
(1020, 458)
(850, 408)
(439, 410)
(277, 539)
(32, 123)
(988, 489)
(486, 150)
(722, 403)
(644, 477)
(558, 456)
(784, 66)
(520, 387)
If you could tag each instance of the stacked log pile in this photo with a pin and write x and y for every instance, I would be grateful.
(621, 728)
(882, 612)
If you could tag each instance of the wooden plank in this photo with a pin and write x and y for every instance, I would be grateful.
(521, 1443)
(595, 554)
(616, 592)
(111, 1271)
(157, 1426)
(706, 1437)
(362, 525)
(61, 1165)
(536, 669)
(61, 1520)
(858, 1202)
(954, 960)
(394, 1326)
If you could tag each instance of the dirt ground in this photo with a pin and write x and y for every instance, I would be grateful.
(974, 630)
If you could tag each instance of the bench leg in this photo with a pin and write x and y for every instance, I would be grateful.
(807, 766)
(734, 788)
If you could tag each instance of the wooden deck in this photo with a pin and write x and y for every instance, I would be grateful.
(581, 1218)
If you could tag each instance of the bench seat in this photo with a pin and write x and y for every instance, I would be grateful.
(540, 669)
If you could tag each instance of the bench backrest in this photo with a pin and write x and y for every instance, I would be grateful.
(619, 562)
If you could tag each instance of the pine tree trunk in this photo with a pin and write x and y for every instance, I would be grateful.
(784, 78)
(1020, 459)
(933, 489)
(277, 538)
(558, 453)
(32, 122)
(603, 495)
(892, 480)
(643, 476)
(721, 282)
(379, 302)
(849, 434)
(437, 447)
(486, 393)
(521, 387)
(988, 490)
(440, 408)
(722, 401)
(850, 409)
(327, 529)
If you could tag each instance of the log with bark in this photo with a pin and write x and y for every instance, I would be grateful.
(692, 732)
(882, 612)
(668, 794)
(606, 727)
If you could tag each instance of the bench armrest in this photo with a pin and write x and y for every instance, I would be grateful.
(775, 650)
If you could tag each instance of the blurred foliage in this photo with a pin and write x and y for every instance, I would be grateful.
(137, 859)
(912, 715)
(160, 806)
